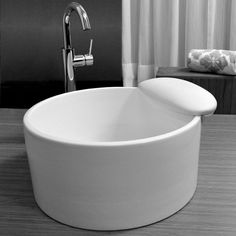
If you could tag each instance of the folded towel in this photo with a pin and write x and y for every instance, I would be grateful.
(212, 60)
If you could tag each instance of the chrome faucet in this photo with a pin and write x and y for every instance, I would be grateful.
(69, 58)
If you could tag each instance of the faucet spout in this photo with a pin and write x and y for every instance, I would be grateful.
(77, 8)
(69, 58)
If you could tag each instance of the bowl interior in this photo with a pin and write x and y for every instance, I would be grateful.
(103, 115)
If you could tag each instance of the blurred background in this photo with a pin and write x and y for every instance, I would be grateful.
(133, 40)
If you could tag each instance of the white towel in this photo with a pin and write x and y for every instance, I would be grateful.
(212, 60)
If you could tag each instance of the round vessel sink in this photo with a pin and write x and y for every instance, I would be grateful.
(111, 158)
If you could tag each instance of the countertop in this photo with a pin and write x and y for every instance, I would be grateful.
(212, 211)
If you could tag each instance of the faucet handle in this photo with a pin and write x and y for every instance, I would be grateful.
(90, 47)
(89, 56)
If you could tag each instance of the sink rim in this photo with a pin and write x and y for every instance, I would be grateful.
(44, 135)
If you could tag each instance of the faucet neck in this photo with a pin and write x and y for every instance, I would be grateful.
(66, 33)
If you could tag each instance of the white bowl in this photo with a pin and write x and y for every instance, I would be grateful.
(111, 158)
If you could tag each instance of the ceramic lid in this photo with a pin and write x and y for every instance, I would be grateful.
(187, 97)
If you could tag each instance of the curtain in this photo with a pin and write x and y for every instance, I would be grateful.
(159, 33)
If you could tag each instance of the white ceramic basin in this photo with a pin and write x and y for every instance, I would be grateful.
(111, 158)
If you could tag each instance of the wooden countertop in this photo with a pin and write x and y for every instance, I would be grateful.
(212, 211)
